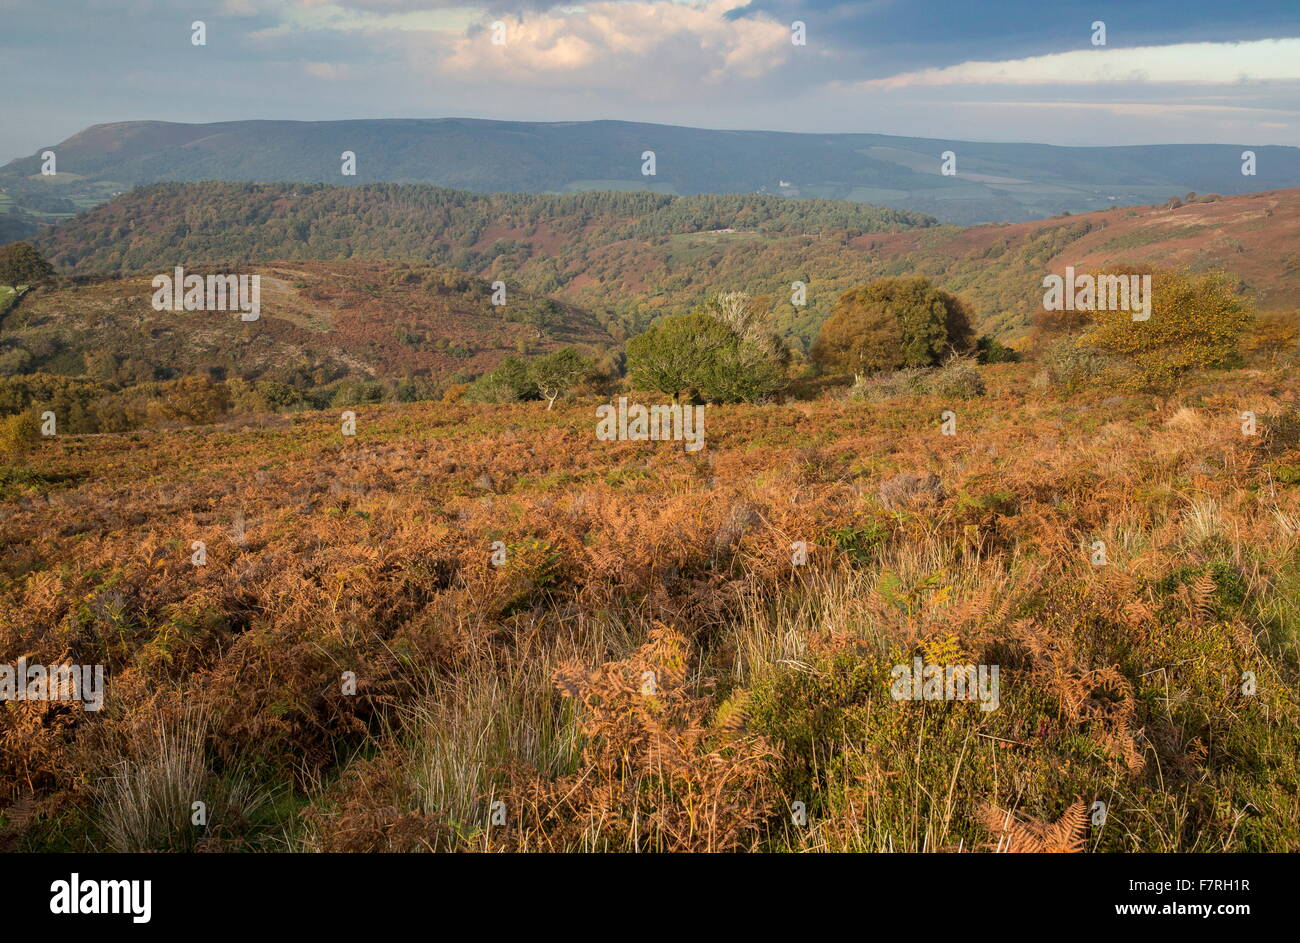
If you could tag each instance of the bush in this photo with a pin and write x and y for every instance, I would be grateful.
(1068, 365)
(959, 378)
(991, 350)
(510, 382)
(557, 373)
(355, 393)
(890, 324)
(490, 389)
(1196, 321)
(723, 350)
(18, 433)
(21, 264)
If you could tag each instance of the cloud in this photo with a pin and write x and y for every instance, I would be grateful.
(1143, 109)
(1264, 60)
(329, 71)
(655, 49)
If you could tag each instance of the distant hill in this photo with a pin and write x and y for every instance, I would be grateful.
(994, 182)
(334, 320)
(629, 257)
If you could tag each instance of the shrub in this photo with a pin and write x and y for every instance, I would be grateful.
(510, 382)
(722, 349)
(959, 378)
(557, 373)
(892, 323)
(489, 389)
(1275, 338)
(1068, 365)
(1195, 323)
(18, 433)
(991, 350)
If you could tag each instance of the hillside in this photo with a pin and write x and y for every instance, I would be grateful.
(339, 319)
(629, 257)
(368, 557)
(994, 181)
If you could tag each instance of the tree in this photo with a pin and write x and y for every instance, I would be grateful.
(1195, 322)
(893, 323)
(672, 355)
(723, 349)
(21, 264)
(555, 373)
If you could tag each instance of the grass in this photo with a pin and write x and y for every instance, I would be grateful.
(649, 669)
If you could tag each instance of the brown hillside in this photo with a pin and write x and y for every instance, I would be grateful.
(1255, 237)
(356, 318)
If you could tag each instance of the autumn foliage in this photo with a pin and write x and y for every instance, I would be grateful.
(645, 666)
(892, 323)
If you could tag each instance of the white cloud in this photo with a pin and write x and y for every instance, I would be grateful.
(639, 46)
(1264, 60)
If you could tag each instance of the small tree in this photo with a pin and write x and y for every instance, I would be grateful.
(672, 356)
(555, 373)
(21, 264)
(723, 349)
(1195, 322)
(893, 323)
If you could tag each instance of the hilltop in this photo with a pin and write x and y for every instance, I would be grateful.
(994, 181)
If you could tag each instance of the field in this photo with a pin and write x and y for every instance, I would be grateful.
(647, 664)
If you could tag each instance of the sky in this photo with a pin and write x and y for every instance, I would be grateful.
(1188, 71)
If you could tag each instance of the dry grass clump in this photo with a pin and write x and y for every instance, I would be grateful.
(958, 378)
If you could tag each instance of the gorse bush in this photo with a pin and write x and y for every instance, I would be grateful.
(1196, 322)
(18, 433)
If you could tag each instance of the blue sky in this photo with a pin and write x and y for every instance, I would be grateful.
(1170, 72)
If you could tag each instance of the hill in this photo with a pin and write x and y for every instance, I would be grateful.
(994, 181)
(630, 256)
(332, 320)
